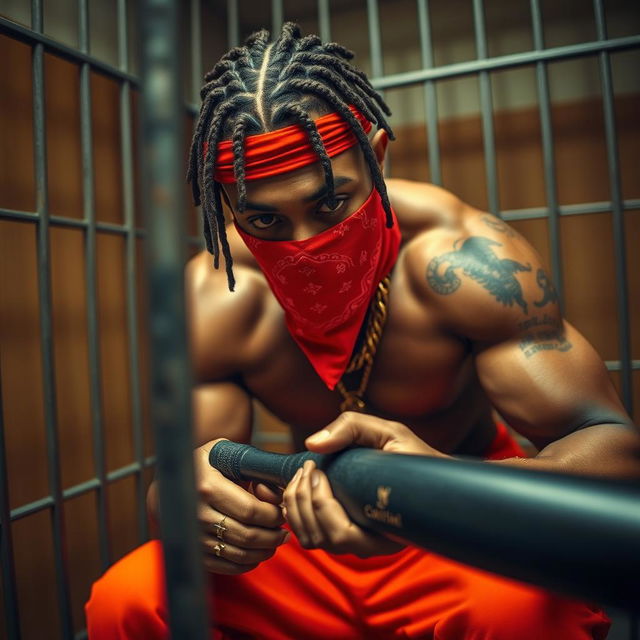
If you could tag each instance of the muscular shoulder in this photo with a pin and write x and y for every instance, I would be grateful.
(222, 324)
(477, 275)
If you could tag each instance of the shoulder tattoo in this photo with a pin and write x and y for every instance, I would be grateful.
(542, 334)
(477, 260)
(549, 293)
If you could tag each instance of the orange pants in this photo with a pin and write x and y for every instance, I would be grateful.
(306, 595)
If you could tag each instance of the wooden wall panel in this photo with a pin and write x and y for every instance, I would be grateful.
(35, 577)
(123, 530)
(68, 287)
(107, 159)
(64, 160)
(20, 362)
(17, 184)
(83, 551)
(114, 351)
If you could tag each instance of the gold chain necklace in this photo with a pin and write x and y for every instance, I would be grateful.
(363, 359)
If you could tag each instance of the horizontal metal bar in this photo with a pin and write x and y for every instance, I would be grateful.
(507, 214)
(25, 34)
(80, 489)
(616, 365)
(568, 210)
(505, 62)
(62, 221)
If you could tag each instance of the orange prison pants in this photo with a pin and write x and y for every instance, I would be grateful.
(307, 595)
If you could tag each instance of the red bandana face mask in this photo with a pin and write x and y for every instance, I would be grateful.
(325, 283)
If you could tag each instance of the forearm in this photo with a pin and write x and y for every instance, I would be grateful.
(604, 450)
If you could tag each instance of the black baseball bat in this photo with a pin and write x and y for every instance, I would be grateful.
(574, 535)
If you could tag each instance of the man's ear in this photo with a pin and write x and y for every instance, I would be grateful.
(379, 144)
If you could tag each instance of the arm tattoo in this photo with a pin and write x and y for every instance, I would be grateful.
(478, 261)
(497, 225)
(542, 334)
(549, 293)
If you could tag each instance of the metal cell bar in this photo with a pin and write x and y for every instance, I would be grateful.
(551, 188)
(375, 45)
(126, 156)
(585, 208)
(430, 98)
(324, 20)
(163, 204)
(79, 489)
(233, 23)
(88, 191)
(277, 16)
(486, 110)
(568, 210)
(76, 223)
(9, 591)
(34, 37)
(195, 9)
(46, 331)
(613, 162)
(505, 62)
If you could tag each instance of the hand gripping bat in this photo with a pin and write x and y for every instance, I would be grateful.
(576, 535)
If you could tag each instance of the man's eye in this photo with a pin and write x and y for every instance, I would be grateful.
(339, 205)
(263, 222)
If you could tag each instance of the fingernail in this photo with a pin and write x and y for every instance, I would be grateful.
(315, 478)
(297, 474)
(320, 436)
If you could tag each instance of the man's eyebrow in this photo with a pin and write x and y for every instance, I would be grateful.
(321, 191)
(338, 181)
(256, 206)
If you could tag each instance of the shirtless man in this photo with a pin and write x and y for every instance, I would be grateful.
(472, 324)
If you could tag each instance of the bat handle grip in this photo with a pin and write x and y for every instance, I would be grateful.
(240, 462)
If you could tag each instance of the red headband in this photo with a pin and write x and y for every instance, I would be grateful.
(286, 149)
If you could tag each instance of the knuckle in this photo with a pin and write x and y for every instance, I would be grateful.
(248, 511)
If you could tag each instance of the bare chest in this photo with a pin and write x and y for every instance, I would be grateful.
(421, 377)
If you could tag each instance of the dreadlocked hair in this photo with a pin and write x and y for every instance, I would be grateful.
(263, 86)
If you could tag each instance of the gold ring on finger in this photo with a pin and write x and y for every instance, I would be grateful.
(220, 528)
(219, 548)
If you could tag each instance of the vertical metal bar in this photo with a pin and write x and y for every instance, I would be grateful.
(375, 46)
(46, 332)
(196, 50)
(486, 109)
(277, 17)
(617, 211)
(91, 276)
(233, 23)
(163, 203)
(131, 244)
(9, 591)
(430, 98)
(549, 162)
(324, 20)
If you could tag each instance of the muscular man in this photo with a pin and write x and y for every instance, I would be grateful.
(386, 313)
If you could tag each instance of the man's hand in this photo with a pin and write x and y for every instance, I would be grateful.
(252, 519)
(312, 511)
(351, 428)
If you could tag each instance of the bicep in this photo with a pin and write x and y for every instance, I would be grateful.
(548, 383)
(221, 410)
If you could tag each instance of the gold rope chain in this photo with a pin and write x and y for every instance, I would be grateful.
(352, 400)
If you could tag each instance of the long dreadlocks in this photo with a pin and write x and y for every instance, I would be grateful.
(263, 86)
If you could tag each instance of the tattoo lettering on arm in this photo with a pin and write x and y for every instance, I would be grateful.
(497, 225)
(549, 293)
(477, 260)
(542, 334)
